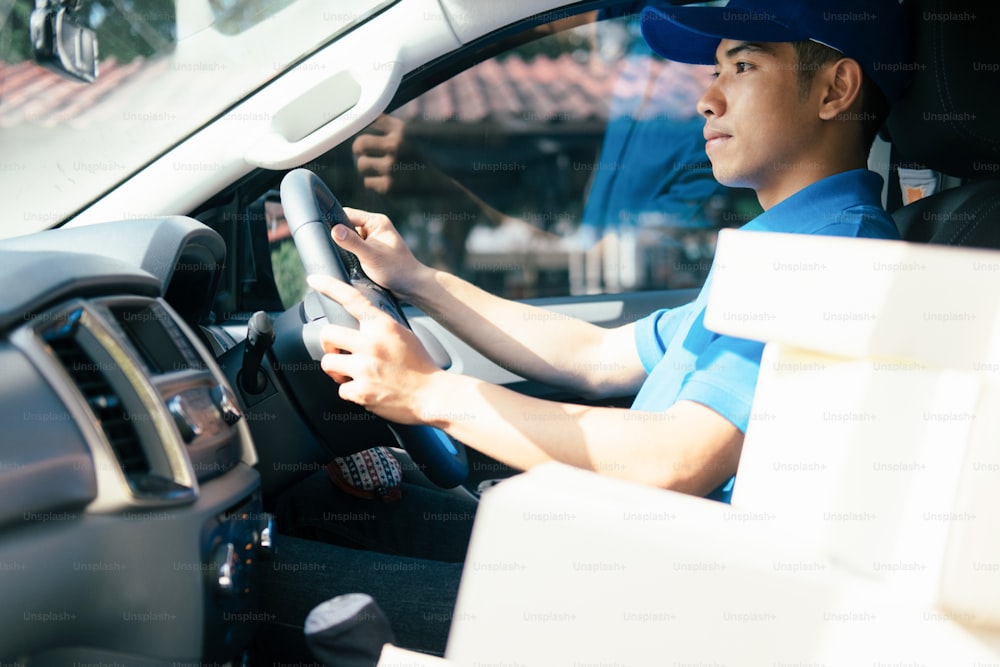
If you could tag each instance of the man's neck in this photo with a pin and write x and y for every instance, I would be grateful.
(774, 193)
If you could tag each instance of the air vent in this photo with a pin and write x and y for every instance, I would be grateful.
(104, 402)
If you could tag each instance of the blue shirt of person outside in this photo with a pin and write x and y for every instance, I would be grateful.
(652, 169)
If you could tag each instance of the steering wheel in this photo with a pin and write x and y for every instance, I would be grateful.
(312, 211)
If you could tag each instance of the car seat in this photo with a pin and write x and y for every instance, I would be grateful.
(948, 122)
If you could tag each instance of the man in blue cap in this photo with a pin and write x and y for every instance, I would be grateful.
(800, 91)
(853, 54)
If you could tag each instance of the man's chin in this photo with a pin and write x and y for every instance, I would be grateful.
(729, 177)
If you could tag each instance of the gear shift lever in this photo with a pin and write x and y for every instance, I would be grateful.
(348, 631)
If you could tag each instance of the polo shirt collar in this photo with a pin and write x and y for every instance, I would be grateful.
(817, 205)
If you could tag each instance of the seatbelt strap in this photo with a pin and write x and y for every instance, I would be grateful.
(894, 194)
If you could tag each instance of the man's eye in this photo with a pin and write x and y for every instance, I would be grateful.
(742, 67)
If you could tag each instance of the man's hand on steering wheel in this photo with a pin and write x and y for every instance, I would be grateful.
(388, 370)
(383, 253)
(381, 366)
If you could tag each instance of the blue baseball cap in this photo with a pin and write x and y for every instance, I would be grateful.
(873, 32)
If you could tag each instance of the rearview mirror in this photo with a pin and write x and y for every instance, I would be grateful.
(62, 45)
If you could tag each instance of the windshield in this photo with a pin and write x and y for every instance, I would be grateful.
(166, 67)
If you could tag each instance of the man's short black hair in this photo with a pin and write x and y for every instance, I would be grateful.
(874, 109)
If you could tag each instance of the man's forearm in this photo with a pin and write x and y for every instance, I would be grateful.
(687, 448)
(533, 342)
(383, 367)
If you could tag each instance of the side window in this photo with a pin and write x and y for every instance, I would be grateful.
(572, 163)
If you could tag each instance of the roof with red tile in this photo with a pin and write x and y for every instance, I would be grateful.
(508, 91)
(30, 93)
(558, 90)
(562, 90)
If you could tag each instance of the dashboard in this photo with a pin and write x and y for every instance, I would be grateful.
(136, 471)
(131, 518)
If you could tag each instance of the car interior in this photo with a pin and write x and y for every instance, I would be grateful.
(162, 384)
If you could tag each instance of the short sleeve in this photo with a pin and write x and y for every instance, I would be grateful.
(725, 377)
(654, 332)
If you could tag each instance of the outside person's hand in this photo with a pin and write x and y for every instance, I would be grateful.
(376, 152)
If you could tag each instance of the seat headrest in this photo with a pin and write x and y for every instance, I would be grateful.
(949, 120)
(965, 216)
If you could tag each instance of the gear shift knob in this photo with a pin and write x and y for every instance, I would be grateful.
(348, 631)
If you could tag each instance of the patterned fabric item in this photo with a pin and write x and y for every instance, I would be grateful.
(371, 474)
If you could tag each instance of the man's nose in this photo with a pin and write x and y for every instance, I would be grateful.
(710, 103)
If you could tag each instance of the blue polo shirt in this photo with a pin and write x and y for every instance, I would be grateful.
(686, 361)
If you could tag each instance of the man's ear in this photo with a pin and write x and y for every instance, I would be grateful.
(841, 83)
